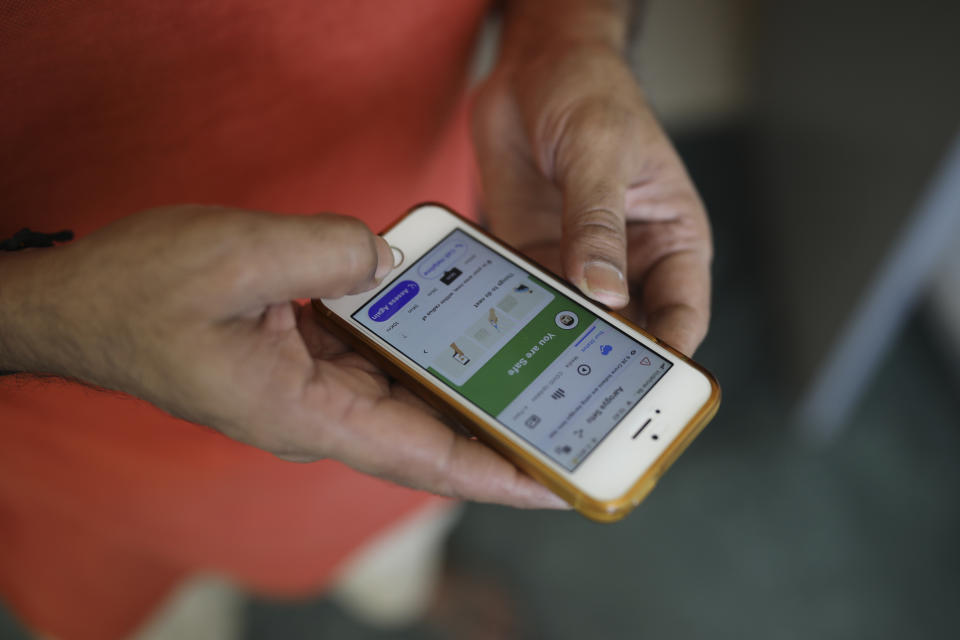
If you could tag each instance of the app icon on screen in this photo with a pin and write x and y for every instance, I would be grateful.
(567, 320)
(458, 354)
(450, 276)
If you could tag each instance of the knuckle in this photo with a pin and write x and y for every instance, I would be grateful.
(227, 243)
(602, 123)
(598, 229)
(591, 126)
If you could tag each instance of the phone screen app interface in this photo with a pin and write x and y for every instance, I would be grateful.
(541, 364)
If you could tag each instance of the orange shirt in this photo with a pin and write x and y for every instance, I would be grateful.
(111, 107)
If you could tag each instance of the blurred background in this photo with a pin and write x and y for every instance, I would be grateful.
(822, 502)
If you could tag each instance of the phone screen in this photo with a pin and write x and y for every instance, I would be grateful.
(536, 361)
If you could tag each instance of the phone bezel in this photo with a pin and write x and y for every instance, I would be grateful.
(622, 469)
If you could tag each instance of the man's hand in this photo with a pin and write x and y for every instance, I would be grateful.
(578, 173)
(190, 309)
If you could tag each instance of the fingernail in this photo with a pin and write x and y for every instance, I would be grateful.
(606, 283)
(384, 258)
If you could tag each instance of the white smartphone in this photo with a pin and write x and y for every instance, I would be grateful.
(578, 397)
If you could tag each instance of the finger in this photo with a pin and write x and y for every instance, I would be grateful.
(320, 343)
(676, 299)
(406, 396)
(401, 443)
(545, 254)
(321, 256)
(591, 167)
(473, 471)
(520, 203)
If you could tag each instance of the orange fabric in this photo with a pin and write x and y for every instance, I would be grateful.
(111, 107)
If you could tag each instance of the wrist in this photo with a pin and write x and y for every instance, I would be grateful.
(33, 338)
(536, 30)
(19, 343)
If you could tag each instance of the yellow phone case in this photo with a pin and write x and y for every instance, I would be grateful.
(424, 387)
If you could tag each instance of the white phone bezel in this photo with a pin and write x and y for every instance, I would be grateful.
(617, 463)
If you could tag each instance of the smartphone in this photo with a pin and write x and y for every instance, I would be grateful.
(576, 396)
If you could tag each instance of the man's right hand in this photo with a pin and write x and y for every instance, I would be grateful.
(190, 308)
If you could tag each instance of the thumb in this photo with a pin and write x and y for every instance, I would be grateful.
(320, 256)
(594, 243)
